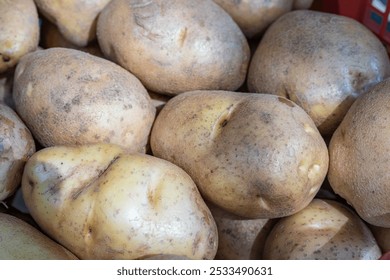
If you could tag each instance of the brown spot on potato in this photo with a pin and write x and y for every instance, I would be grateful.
(182, 36)
(5, 58)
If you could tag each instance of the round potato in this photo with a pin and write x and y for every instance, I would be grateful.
(239, 238)
(324, 230)
(19, 31)
(360, 159)
(88, 100)
(21, 241)
(16, 146)
(102, 203)
(254, 16)
(174, 46)
(320, 61)
(254, 155)
(75, 19)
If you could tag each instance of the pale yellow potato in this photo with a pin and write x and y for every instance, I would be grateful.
(16, 146)
(240, 238)
(174, 46)
(102, 203)
(320, 61)
(68, 97)
(19, 31)
(21, 241)
(324, 230)
(255, 155)
(360, 156)
(382, 236)
(254, 16)
(75, 19)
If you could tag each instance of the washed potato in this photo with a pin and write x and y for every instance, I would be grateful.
(102, 203)
(239, 238)
(254, 155)
(320, 61)
(16, 146)
(19, 31)
(382, 236)
(88, 100)
(6, 83)
(359, 156)
(324, 230)
(51, 37)
(21, 241)
(174, 46)
(75, 19)
(254, 16)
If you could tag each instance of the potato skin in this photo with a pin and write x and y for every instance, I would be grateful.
(254, 16)
(16, 146)
(88, 100)
(254, 155)
(21, 241)
(240, 238)
(324, 230)
(174, 46)
(359, 156)
(320, 61)
(102, 203)
(19, 31)
(75, 19)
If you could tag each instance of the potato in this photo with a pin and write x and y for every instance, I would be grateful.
(20, 241)
(88, 100)
(19, 31)
(254, 16)
(320, 61)
(359, 156)
(325, 230)
(382, 236)
(51, 37)
(174, 46)
(6, 83)
(75, 19)
(16, 146)
(254, 155)
(239, 238)
(102, 203)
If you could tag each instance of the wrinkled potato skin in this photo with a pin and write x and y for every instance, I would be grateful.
(51, 37)
(19, 31)
(324, 230)
(320, 61)
(16, 146)
(255, 155)
(75, 19)
(103, 204)
(88, 100)
(239, 238)
(174, 46)
(359, 156)
(254, 16)
(21, 241)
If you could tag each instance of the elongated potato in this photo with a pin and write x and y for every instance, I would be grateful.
(19, 31)
(174, 46)
(16, 146)
(20, 241)
(102, 203)
(254, 155)
(88, 100)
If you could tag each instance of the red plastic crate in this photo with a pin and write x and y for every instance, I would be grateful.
(372, 13)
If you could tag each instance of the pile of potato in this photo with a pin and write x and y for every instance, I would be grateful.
(151, 129)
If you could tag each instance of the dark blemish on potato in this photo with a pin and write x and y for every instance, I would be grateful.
(224, 123)
(196, 243)
(182, 36)
(76, 100)
(266, 117)
(5, 58)
(286, 101)
(31, 183)
(127, 107)
(67, 108)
